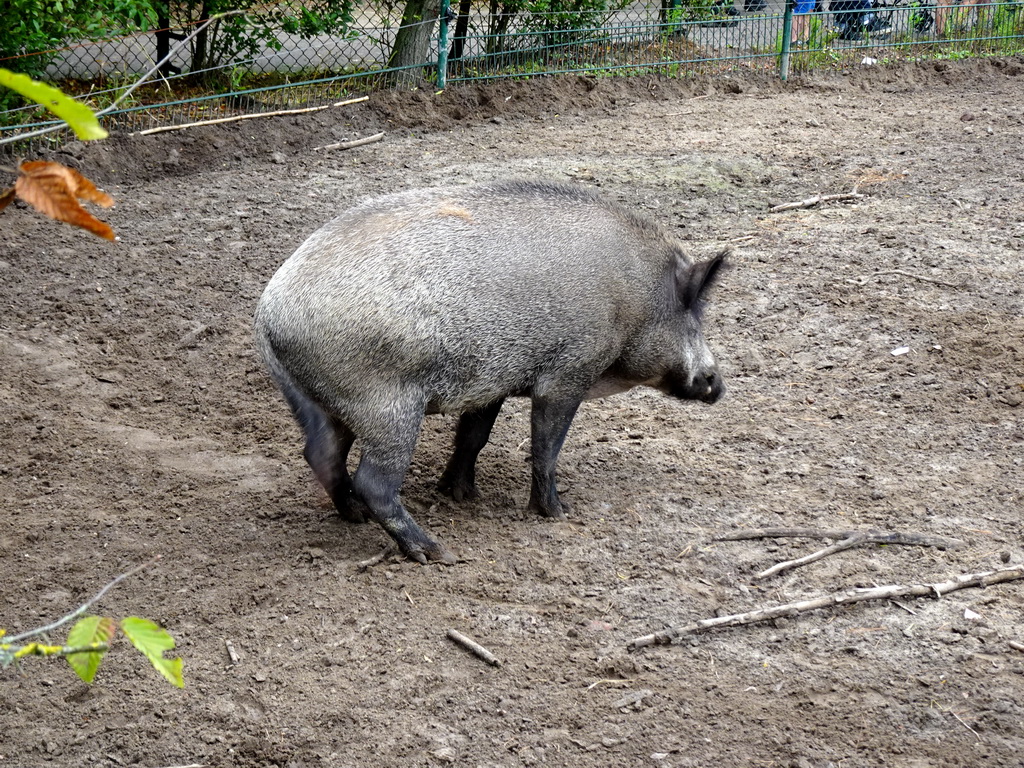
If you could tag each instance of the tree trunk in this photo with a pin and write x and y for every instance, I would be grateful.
(201, 43)
(412, 43)
(461, 30)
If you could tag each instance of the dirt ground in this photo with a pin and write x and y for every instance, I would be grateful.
(136, 420)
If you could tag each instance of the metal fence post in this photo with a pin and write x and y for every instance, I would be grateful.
(442, 45)
(787, 33)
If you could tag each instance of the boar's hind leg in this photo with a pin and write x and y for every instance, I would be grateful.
(378, 480)
(549, 421)
(328, 442)
(459, 478)
(326, 452)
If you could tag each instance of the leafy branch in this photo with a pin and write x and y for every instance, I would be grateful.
(54, 189)
(72, 112)
(90, 638)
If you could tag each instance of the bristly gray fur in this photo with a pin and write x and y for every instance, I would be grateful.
(452, 299)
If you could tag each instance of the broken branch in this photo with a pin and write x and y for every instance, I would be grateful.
(362, 565)
(353, 143)
(849, 540)
(864, 279)
(849, 543)
(881, 537)
(235, 118)
(857, 595)
(232, 654)
(474, 647)
(810, 202)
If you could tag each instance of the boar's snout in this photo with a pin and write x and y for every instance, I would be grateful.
(707, 387)
(712, 385)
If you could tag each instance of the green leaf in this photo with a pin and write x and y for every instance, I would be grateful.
(91, 630)
(153, 640)
(81, 119)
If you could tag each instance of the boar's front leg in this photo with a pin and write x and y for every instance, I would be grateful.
(549, 422)
(459, 478)
(382, 466)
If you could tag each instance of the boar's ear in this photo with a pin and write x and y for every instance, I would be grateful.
(694, 279)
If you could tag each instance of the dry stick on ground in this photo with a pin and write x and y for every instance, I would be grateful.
(912, 539)
(236, 118)
(232, 654)
(850, 539)
(353, 143)
(839, 598)
(362, 565)
(864, 279)
(810, 202)
(474, 647)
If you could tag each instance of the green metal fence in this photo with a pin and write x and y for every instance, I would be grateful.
(472, 43)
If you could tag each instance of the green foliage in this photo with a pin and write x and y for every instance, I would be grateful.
(89, 640)
(74, 113)
(32, 29)
(246, 35)
(1008, 21)
(33, 26)
(90, 637)
(677, 15)
(152, 641)
(559, 21)
(94, 631)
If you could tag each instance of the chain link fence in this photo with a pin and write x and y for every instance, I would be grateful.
(473, 41)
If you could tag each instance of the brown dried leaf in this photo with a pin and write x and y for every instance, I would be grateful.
(87, 190)
(53, 189)
(6, 196)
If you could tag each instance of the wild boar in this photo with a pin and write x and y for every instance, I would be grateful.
(450, 300)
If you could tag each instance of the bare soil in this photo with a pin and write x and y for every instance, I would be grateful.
(136, 420)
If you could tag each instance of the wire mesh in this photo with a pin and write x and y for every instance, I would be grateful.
(504, 38)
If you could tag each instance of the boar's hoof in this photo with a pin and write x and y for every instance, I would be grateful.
(555, 511)
(458, 489)
(353, 512)
(428, 551)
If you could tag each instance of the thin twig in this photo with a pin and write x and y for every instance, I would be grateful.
(864, 279)
(236, 118)
(965, 725)
(963, 581)
(910, 539)
(352, 143)
(474, 647)
(810, 202)
(906, 608)
(80, 609)
(34, 649)
(849, 543)
(362, 565)
(850, 539)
